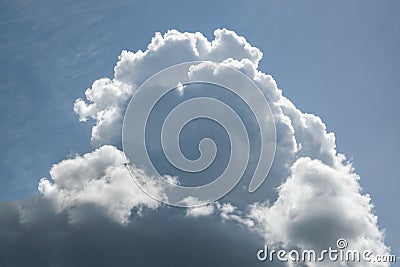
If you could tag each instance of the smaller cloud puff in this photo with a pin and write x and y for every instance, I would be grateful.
(99, 178)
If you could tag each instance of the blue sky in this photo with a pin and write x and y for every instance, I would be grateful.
(338, 60)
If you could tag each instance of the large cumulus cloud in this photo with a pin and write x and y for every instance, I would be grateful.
(317, 197)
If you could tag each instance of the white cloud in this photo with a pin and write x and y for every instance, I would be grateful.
(319, 202)
(107, 99)
(99, 178)
(228, 212)
(316, 206)
(200, 211)
(106, 102)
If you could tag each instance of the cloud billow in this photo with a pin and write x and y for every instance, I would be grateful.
(310, 199)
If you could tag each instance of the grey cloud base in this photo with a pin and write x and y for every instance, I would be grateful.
(158, 238)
